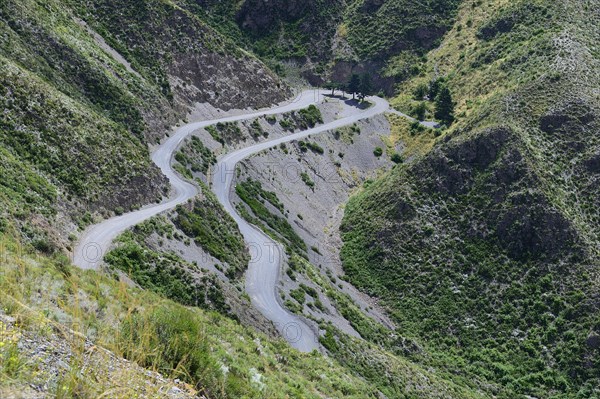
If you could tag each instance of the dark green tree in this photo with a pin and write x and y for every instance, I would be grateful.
(332, 86)
(444, 106)
(354, 85)
(366, 87)
(434, 88)
(419, 111)
(420, 91)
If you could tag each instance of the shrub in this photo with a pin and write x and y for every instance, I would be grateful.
(198, 157)
(171, 339)
(419, 111)
(286, 124)
(43, 245)
(420, 91)
(299, 295)
(215, 231)
(311, 115)
(307, 180)
(314, 147)
(397, 158)
(416, 127)
(378, 151)
(254, 196)
(256, 129)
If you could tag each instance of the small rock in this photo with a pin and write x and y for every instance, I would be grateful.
(593, 341)
(175, 390)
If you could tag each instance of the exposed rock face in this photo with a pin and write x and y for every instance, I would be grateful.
(225, 82)
(524, 223)
(571, 118)
(192, 62)
(530, 227)
(343, 70)
(371, 5)
(455, 166)
(331, 40)
(593, 341)
(264, 15)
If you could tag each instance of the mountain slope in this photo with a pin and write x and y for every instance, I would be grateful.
(82, 101)
(485, 249)
(333, 39)
(53, 343)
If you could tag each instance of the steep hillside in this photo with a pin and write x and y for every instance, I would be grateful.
(330, 40)
(112, 340)
(388, 39)
(86, 86)
(485, 249)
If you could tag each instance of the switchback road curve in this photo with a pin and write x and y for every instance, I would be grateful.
(264, 268)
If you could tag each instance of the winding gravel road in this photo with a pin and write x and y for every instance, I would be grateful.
(263, 271)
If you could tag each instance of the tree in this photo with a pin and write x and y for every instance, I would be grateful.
(420, 92)
(332, 86)
(397, 158)
(354, 85)
(434, 88)
(419, 111)
(444, 106)
(365, 87)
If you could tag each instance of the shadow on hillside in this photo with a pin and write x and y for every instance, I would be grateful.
(351, 102)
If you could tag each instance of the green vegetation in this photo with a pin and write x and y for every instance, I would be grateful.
(308, 145)
(226, 133)
(360, 84)
(420, 110)
(299, 295)
(368, 357)
(378, 151)
(254, 196)
(354, 85)
(209, 351)
(254, 189)
(56, 144)
(390, 37)
(195, 156)
(444, 106)
(421, 91)
(211, 227)
(309, 117)
(256, 130)
(375, 29)
(164, 273)
(480, 245)
(277, 31)
(366, 86)
(301, 120)
(307, 180)
(396, 158)
(346, 134)
(85, 88)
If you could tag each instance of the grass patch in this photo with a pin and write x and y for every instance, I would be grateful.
(195, 156)
(215, 231)
(253, 195)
